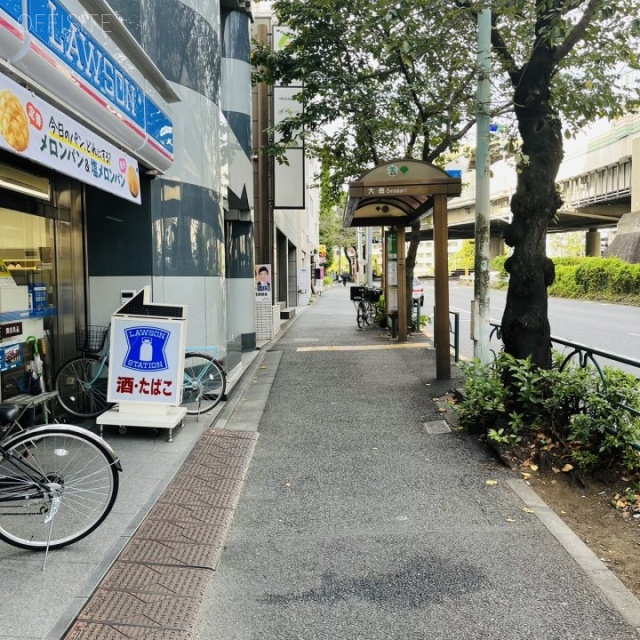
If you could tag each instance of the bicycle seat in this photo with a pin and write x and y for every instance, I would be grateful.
(9, 413)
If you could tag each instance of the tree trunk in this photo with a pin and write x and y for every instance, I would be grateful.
(525, 324)
(410, 263)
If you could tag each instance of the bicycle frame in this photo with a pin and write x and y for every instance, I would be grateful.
(104, 361)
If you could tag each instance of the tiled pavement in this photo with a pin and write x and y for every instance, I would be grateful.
(155, 588)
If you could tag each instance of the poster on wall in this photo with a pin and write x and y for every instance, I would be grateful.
(263, 283)
(32, 128)
(10, 357)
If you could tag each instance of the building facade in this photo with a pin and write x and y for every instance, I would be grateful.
(287, 202)
(125, 161)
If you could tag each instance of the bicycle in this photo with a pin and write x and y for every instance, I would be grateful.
(204, 381)
(365, 299)
(82, 381)
(58, 482)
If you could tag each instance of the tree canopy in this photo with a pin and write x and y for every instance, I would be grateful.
(385, 79)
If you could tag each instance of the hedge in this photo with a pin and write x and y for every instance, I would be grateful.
(604, 279)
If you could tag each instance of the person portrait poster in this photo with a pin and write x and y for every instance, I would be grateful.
(263, 282)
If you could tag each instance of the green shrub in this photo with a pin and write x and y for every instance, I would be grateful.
(497, 264)
(590, 421)
(607, 279)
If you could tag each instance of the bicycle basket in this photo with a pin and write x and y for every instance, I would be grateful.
(91, 339)
(371, 294)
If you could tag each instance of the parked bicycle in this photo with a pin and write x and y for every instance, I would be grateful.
(365, 300)
(82, 381)
(58, 482)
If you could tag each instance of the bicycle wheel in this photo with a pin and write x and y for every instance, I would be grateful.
(371, 313)
(204, 383)
(81, 384)
(361, 316)
(78, 486)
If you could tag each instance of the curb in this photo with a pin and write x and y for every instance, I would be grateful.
(623, 600)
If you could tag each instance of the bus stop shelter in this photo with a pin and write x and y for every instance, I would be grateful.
(396, 195)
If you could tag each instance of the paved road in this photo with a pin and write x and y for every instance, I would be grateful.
(364, 517)
(610, 327)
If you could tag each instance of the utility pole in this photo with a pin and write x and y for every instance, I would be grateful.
(480, 304)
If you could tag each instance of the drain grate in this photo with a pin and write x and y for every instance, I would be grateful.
(173, 553)
(152, 610)
(142, 578)
(205, 495)
(93, 631)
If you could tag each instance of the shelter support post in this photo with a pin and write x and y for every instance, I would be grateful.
(441, 329)
(403, 321)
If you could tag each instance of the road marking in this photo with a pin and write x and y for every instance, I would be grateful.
(366, 347)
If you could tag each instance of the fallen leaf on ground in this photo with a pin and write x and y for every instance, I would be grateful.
(567, 467)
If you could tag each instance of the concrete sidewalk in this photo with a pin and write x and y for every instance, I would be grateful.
(364, 516)
(39, 603)
(326, 500)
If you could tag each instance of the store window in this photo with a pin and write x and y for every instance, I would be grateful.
(27, 289)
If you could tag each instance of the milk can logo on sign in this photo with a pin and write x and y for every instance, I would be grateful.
(146, 349)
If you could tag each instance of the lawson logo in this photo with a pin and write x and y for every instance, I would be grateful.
(61, 32)
(146, 349)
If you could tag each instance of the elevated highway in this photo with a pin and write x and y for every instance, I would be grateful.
(596, 179)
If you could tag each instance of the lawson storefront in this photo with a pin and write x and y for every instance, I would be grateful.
(101, 192)
(79, 126)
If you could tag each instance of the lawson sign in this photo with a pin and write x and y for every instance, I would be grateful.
(146, 360)
(50, 37)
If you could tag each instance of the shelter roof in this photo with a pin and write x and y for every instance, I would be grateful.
(396, 193)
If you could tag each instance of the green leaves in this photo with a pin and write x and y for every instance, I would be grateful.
(591, 423)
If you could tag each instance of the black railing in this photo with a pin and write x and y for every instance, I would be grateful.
(454, 330)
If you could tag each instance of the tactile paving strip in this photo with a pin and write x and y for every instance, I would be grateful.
(155, 588)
